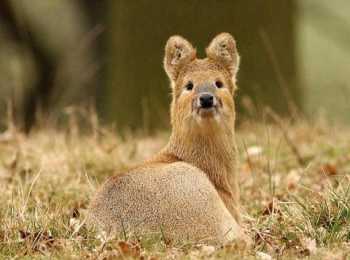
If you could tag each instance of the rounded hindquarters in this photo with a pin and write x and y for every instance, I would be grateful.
(176, 200)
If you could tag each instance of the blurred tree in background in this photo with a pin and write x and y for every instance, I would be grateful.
(60, 53)
(50, 63)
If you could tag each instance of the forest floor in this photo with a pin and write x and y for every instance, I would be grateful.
(294, 179)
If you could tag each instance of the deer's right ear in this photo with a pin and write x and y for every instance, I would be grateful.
(178, 52)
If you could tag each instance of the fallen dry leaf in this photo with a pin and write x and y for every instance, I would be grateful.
(206, 250)
(129, 248)
(271, 208)
(292, 179)
(263, 256)
(74, 224)
(39, 241)
(254, 150)
(329, 169)
(309, 245)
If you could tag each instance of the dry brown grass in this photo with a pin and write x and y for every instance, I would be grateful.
(291, 209)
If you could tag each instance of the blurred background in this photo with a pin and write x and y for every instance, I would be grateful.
(62, 57)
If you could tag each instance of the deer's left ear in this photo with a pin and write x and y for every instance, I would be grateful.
(223, 50)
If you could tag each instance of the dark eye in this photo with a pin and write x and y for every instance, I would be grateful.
(219, 84)
(189, 86)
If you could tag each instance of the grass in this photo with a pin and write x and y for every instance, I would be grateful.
(293, 208)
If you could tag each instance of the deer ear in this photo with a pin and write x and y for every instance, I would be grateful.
(178, 52)
(223, 50)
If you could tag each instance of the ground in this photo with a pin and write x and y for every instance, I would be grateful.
(294, 190)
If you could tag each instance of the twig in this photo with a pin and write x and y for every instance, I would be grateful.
(30, 191)
(292, 107)
(287, 137)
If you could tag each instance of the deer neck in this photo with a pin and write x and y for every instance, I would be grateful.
(212, 152)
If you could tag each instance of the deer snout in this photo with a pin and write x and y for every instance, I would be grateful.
(206, 100)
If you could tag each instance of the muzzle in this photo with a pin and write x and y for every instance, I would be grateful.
(205, 97)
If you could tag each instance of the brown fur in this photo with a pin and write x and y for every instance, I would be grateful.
(188, 190)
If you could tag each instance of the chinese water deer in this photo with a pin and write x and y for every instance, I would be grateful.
(188, 191)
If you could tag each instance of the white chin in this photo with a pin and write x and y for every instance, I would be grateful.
(207, 116)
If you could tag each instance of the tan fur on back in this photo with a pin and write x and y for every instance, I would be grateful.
(145, 200)
(189, 190)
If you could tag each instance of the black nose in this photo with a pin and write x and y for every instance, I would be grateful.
(206, 100)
